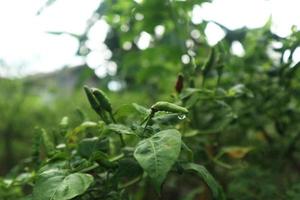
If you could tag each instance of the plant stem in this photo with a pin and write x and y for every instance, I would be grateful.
(132, 182)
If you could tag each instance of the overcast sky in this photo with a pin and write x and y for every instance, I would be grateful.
(24, 41)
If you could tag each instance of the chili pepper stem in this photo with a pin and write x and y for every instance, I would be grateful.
(144, 120)
(104, 118)
(148, 119)
(112, 117)
(122, 140)
(189, 151)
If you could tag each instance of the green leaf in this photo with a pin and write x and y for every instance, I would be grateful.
(187, 93)
(214, 186)
(158, 153)
(120, 129)
(82, 127)
(57, 184)
(64, 122)
(141, 109)
(128, 168)
(88, 146)
(239, 90)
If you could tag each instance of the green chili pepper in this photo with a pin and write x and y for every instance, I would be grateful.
(168, 107)
(93, 102)
(102, 99)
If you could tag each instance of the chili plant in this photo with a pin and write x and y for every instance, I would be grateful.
(117, 157)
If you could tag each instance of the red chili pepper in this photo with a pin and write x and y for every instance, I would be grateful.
(179, 83)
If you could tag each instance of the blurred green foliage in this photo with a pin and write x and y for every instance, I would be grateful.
(243, 110)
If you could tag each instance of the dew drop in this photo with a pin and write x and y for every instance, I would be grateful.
(181, 117)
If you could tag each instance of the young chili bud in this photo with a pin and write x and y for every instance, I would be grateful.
(94, 104)
(179, 83)
(168, 107)
(97, 107)
(102, 99)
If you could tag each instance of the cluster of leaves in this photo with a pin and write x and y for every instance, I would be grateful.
(24, 104)
(104, 159)
(21, 110)
(243, 109)
(132, 145)
(234, 131)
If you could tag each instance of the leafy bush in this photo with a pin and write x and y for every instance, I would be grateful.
(105, 159)
(133, 147)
